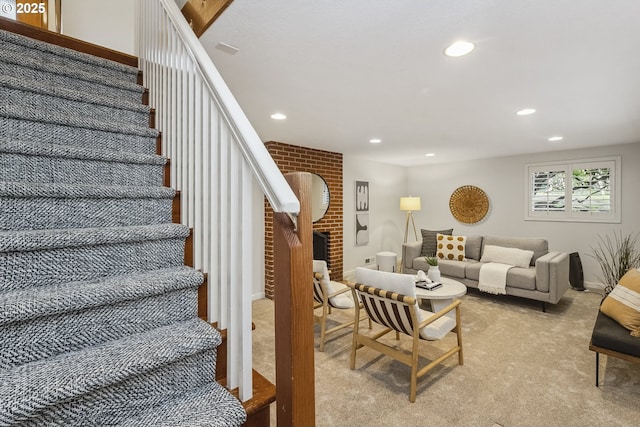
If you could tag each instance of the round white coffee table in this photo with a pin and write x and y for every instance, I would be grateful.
(444, 295)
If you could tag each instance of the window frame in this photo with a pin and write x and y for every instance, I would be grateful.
(567, 214)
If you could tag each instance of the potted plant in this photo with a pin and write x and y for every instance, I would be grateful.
(616, 256)
(434, 271)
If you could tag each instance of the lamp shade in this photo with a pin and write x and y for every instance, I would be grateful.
(410, 203)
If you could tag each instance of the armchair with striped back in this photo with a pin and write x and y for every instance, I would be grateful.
(389, 299)
(328, 295)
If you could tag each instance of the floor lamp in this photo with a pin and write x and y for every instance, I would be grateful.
(410, 204)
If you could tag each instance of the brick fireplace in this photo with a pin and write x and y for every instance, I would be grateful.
(292, 158)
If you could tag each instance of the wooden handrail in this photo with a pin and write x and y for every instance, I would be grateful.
(293, 306)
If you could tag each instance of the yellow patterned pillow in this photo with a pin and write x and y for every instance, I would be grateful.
(623, 302)
(450, 247)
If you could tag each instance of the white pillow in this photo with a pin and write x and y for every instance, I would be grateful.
(343, 300)
(405, 284)
(510, 256)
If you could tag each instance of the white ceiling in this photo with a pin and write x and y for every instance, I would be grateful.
(346, 71)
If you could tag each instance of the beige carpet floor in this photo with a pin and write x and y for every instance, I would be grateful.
(522, 367)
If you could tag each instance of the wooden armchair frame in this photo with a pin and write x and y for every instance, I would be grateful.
(322, 299)
(391, 301)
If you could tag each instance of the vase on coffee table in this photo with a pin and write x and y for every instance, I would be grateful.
(434, 273)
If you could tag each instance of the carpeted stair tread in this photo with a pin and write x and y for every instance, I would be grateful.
(33, 258)
(26, 304)
(51, 115)
(61, 57)
(81, 191)
(34, 68)
(72, 316)
(111, 405)
(37, 206)
(26, 161)
(36, 240)
(37, 385)
(78, 136)
(42, 87)
(30, 148)
(208, 406)
(77, 107)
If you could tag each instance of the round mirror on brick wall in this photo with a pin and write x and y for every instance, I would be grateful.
(319, 197)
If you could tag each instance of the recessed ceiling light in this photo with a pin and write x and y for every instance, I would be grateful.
(375, 141)
(555, 138)
(278, 116)
(459, 48)
(526, 111)
(430, 154)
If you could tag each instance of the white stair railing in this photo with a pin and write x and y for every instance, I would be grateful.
(216, 160)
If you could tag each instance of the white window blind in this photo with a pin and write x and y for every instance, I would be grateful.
(579, 190)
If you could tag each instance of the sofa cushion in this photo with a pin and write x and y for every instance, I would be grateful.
(450, 247)
(623, 302)
(510, 256)
(473, 247)
(453, 268)
(522, 278)
(472, 270)
(429, 240)
(538, 246)
(420, 264)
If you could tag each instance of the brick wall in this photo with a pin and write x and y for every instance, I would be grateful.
(292, 158)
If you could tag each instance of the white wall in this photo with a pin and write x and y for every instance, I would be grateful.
(502, 179)
(106, 23)
(386, 221)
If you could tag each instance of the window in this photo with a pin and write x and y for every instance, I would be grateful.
(579, 190)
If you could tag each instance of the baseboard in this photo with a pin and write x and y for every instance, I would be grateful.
(258, 295)
(595, 287)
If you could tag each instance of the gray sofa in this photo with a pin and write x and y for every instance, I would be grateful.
(546, 279)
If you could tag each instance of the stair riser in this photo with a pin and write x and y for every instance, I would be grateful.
(114, 404)
(77, 111)
(70, 82)
(75, 330)
(50, 133)
(42, 213)
(25, 168)
(20, 270)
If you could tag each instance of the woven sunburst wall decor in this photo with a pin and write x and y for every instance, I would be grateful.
(469, 204)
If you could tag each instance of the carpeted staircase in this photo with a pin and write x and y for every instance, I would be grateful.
(98, 314)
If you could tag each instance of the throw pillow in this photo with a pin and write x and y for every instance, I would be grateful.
(429, 241)
(623, 302)
(450, 247)
(510, 256)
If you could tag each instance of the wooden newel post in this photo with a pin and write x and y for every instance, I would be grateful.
(293, 304)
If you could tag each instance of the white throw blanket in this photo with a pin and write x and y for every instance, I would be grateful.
(493, 278)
